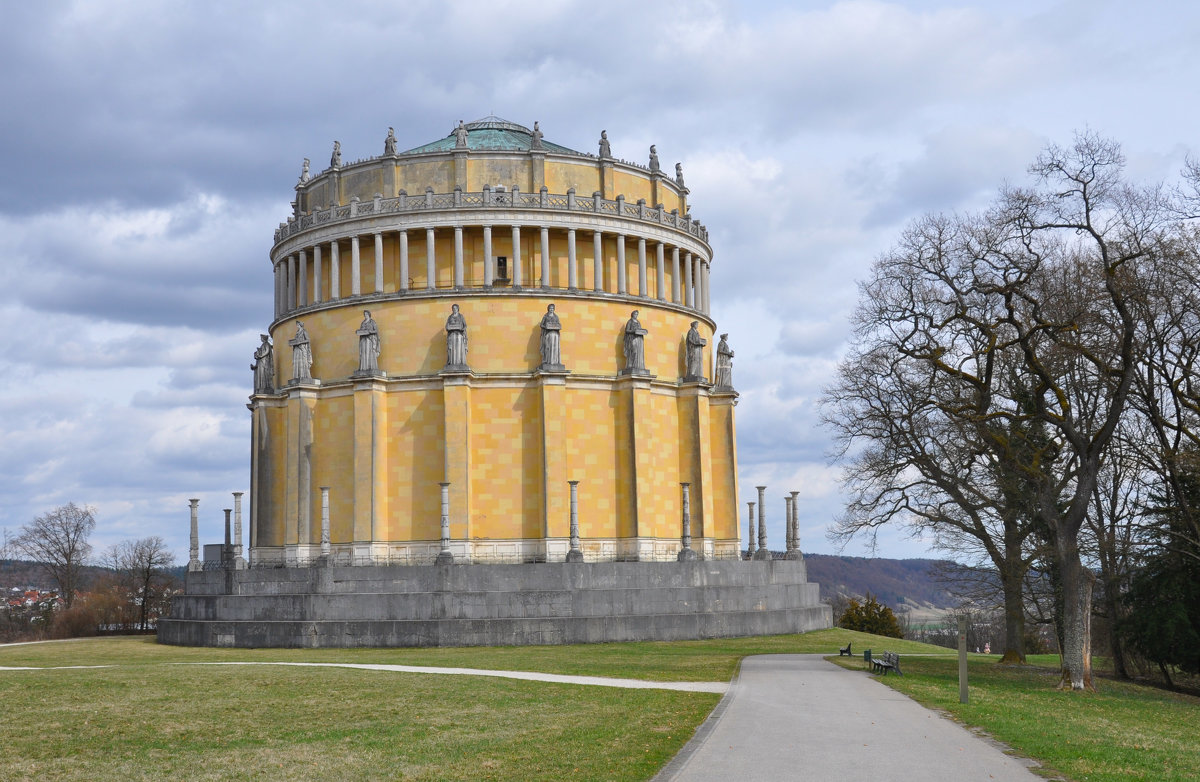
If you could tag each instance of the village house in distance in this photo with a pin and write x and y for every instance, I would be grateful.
(492, 407)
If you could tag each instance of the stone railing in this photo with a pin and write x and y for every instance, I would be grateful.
(491, 199)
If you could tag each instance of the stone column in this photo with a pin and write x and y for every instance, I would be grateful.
(325, 547)
(278, 296)
(763, 552)
(622, 285)
(690, 294)
(706, 275)
(660, 271)
(516, 259)
(642, 266)
(795, 553)
(544, 252)
(318, 291)
(430, 260)
(303, 285)
(597, 261)
(572, 261)
(575, 554)
(685, 552)
(335, 270)
(194, 551)
(750, 532)
(675, 288)
(239, 561)
(787, 523)
(227, 549)
(489, 273)
(378, 262)
(458, 256)
(355, 267)
(698, 292)
(402, 283)
(291, 284)
(444, 556)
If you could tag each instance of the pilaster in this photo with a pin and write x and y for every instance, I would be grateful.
(301, 401)
(370, 464)
(555, 455)
(701, 468)
(456, 394)
(642, 454)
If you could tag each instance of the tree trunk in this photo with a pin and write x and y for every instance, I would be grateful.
(1014, 610)
(1077, 616)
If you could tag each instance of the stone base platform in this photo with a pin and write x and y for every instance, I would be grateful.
(492, 605)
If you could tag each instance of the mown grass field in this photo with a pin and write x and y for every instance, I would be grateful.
(148, 717)
(1122, 732)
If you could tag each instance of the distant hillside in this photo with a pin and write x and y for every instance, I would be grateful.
(25, 574)
(892, 581)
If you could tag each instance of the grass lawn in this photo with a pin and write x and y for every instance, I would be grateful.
(145, 718)
(1122, 732)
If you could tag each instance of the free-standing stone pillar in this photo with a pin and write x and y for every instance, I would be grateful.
(444, 556)
(318, 290)
(572, 261)
(787, 523)
(325, 521)
(597, 261)
(544, 254)
(675, 287)
(227, 549)
(194, 552)
(622, 283)
(794, 552)
(690, 297)
(763, 552)
(489, 274)
(378, 262)
(750, 532)
(239, 561)
(660, 271)
(642, 267)
(402, 283)
(685, 552)
(335, 270)
(458, 256)
(575, 554)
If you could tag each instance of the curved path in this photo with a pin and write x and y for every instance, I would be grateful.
(797, 716)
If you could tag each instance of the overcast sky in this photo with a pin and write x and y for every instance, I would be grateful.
(149, 151)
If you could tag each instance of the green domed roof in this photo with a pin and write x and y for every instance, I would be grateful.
(492, 134)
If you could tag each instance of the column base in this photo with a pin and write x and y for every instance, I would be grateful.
(574, 555)
(444, 558)
(762, 555)
(688, 555)
(794, 555)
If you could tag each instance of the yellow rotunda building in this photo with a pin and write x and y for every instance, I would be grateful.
(497, 331)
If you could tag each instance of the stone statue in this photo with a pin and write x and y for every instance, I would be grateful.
(695, 353)
(460, 136)
(389, 143)
(335, 161)
(605, 149)
(679, 174)
(654, 159)
(368, 345)
(724, 373)
(456, 340)
(304, 175)
(537, 137)
(634, 349)
(301, 354)
(551, 341)
(264, 367)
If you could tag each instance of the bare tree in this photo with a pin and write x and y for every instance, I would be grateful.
(141, 566)
(58, 541)
(1017, 336)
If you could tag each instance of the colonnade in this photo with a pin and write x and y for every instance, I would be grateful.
(680, 276)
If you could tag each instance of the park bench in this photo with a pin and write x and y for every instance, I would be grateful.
(890, 661)
(845, 651)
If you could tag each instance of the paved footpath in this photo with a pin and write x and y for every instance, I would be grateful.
(797, 716)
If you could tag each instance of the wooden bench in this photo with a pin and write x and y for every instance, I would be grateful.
(890, 661)
(845, 651)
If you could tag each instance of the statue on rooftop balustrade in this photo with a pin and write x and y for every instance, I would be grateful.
(654, 159)
(304, 175)
(389, 143)
(335, 160)
(679, 174)
(460, 136)
(536, 143)
(605, 149)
